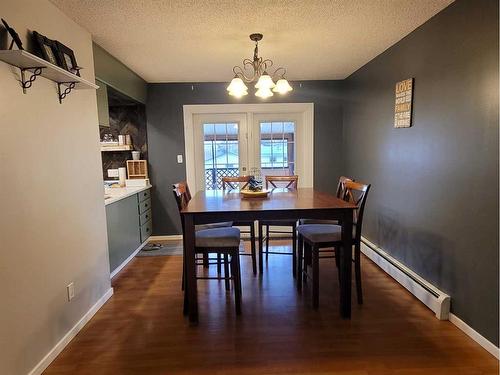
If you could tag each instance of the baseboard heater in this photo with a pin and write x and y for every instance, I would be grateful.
(432, 297)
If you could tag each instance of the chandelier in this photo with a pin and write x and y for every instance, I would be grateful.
(257, 71)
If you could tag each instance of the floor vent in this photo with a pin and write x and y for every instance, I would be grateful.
(432, 297)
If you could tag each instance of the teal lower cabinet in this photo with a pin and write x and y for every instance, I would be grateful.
(145, 216)
(129, 225)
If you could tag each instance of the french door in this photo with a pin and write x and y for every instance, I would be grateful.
(248, 143)
(221, 148)
(274, 151)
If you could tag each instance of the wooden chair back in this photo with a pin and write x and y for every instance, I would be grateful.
(356, 192)
(231, 183)
(341, 186)
(290, 182)
(182, 194)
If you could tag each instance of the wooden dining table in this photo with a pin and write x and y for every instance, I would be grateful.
(211, 206)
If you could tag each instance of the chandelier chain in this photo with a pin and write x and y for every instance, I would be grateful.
(259, 67)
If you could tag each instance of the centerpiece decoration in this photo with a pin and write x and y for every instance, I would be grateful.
(254, 189)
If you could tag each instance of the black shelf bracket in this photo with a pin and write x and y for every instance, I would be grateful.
(66, 91)
(27, 83)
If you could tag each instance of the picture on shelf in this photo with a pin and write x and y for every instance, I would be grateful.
(14, 35)
(67, 59)
(47, 47)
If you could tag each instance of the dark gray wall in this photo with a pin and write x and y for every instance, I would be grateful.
(434, 198)
(166, 136)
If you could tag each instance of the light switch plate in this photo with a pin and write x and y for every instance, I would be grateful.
(112, 172)
(71, 291)
(179, 159)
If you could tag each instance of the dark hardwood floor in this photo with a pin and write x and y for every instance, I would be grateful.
(141, 329)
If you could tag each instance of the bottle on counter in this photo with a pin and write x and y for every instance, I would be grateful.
(122, 176)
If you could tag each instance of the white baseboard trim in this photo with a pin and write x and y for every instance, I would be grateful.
(432, 297)
(172, 237)
(58, 348)
(474, 335)
(428, 294)
(130, 257)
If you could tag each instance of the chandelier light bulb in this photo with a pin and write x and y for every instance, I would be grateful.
(265, 82)
(238, 94)
(264, 93)
(282, 86)
(237, 85)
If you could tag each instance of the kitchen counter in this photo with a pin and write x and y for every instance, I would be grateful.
(112, 195)
(129, 223)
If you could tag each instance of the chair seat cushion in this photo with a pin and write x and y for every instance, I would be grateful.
(318, 221)
(213, 225)
(322, 232)
(218, 237)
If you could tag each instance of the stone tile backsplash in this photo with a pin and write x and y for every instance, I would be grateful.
(129, 119)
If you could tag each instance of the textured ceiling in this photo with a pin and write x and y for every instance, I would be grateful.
(201, 40)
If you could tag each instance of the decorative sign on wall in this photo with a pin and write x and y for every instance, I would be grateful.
(402, 107)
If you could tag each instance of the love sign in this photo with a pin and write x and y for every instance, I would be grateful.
(403, 103)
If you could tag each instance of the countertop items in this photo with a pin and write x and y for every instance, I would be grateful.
(112, 195)
(122, 176)
(137, 169)
(137, 182)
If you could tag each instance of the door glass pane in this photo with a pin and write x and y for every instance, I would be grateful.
(277, 148)
(221, 153)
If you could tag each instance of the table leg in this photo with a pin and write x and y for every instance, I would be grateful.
(190, 268)
(260, 239)
(346, 266)
(185, 308)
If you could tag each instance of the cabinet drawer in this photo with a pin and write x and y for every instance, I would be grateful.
(146, 216)
(143, 195)
(144, 205)
(146, 231)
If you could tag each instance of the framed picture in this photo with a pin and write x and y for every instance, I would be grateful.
(14, 35)
(47, 47)
(403, 103)
(67, 59)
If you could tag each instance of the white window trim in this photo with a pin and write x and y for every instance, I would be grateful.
(306, 110)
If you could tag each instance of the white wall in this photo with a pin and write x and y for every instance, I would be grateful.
(52, 217)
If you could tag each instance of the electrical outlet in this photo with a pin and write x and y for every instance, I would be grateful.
(179, 159)
(112, 172)
(71, 291)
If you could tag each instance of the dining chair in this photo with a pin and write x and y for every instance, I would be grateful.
(182, 196)
(273, 182)
(206, 258)
(239, 183)
(314, 238)
(339, 194)
(224, 241)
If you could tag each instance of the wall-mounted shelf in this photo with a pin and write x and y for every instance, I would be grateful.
(117, 148)
(36, 66)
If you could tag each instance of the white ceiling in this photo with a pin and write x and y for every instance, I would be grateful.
(201, 40)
